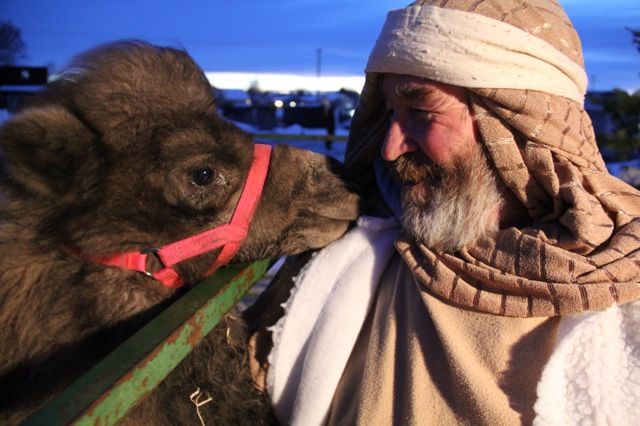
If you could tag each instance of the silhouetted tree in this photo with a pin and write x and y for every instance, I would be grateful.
(11, 45)
(636, 37)
(254, 89)
(624, 110)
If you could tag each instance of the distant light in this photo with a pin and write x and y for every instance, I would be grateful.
(248, 102)
(292, 104)
(351, 112)
(278, 103)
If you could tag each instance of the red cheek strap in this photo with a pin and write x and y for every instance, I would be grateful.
(229, 236)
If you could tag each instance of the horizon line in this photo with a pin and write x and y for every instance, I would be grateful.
(284, 82)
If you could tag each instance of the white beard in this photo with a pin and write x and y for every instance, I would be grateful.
(458, 210)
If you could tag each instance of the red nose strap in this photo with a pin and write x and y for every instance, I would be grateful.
(229, 236)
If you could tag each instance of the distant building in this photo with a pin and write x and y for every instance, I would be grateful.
(17, 84)
(268, 110)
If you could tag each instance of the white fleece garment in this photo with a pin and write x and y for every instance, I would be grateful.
(312, 342)
(593, 375)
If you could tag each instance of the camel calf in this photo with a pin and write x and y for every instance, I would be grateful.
(125, 154)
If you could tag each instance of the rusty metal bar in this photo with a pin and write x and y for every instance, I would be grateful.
(123, 378)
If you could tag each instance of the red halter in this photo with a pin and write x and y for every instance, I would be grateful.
(229, 236)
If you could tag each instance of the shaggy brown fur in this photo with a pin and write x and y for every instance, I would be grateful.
(106, 161)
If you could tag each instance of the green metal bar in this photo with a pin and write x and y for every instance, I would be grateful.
(123, 378)
(294, 137)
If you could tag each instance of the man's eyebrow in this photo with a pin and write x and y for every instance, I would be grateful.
(410, 92)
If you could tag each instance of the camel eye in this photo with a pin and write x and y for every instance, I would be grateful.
(201, 176)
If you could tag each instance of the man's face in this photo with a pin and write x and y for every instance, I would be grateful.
(429, 116)
(449, 192)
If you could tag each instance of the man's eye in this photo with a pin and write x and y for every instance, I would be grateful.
(201, 176)
(421, 113)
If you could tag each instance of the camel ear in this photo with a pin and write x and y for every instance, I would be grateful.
(43, 149)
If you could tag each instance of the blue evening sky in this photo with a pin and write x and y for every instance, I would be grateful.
(282, 36)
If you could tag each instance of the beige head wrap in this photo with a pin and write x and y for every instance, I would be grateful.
(582, 251)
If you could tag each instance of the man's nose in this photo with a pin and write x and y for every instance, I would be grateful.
(396, 143)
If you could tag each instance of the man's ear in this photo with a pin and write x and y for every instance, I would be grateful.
(43, 148)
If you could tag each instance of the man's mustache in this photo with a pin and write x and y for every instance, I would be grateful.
(416, 167)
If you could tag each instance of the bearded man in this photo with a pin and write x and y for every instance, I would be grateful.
(508, 294)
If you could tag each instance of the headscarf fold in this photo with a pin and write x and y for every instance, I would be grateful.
(471, 50)
(582, 250)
